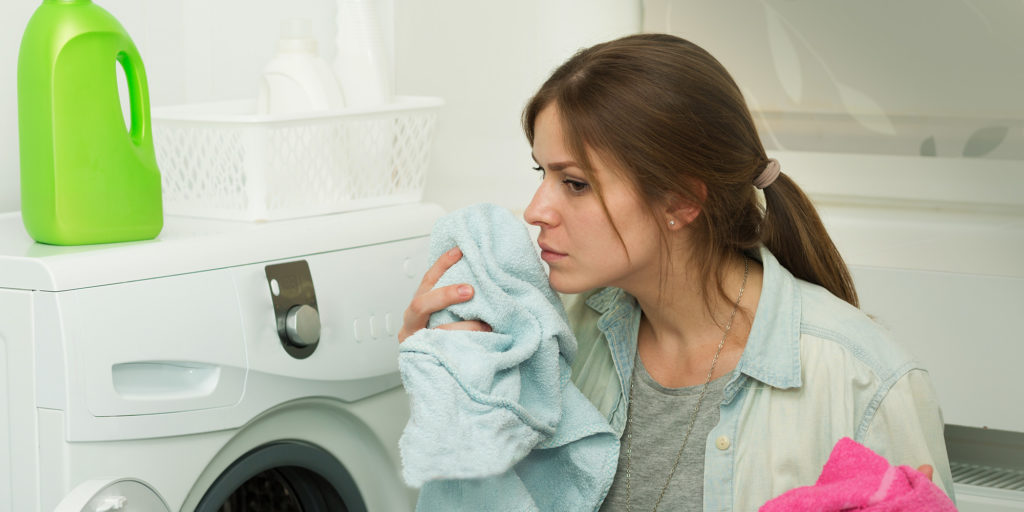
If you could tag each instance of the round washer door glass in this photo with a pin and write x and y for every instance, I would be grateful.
(116, 495)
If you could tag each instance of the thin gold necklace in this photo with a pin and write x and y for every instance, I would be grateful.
(696, 408)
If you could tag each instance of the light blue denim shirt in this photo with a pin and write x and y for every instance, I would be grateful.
(815, 369)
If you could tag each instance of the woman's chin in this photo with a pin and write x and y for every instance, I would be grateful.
(564, 286)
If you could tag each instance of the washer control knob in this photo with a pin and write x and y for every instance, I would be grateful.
(302, 325)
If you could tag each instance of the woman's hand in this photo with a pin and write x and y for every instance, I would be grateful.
(926, 470)
(427, 300)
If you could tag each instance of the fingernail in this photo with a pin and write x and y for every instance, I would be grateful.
(465, 290)
(454, 251)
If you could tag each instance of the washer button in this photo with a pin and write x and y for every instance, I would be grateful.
(389, 324)
(722, 443)
(302, 325)
(374, 328)
(357, 330)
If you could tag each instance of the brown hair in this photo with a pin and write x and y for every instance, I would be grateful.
(666, 113)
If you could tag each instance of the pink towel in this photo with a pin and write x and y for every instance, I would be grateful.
(856, 478)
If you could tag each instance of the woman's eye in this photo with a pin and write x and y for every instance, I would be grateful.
(575, 186)
(540, 170)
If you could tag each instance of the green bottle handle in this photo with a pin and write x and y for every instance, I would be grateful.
(138, 95)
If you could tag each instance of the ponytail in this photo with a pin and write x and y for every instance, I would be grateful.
(793, 232)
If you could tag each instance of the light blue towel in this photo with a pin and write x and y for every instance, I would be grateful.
(496, 422)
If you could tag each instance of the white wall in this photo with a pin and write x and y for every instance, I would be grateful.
(483, 58)
(13, 17)
(486, 59)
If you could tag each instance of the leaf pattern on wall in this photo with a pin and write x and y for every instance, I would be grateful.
(758, 113)
(984, 140)
(865, 110)
(928, 147)
(784, 56)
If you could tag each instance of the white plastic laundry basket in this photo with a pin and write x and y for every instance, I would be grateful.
(220, 160)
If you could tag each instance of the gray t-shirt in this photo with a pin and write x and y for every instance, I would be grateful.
(660, 418)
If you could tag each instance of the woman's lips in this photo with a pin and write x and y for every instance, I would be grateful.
(549, 255)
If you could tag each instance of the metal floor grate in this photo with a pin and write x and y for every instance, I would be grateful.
(987, 476)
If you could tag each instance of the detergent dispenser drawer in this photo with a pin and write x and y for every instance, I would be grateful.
(155, 346)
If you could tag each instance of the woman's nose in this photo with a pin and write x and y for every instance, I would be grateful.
(539, 211)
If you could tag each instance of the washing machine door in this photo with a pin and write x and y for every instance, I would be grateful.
(115, 495)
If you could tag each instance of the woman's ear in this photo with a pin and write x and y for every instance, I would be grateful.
(681, 211)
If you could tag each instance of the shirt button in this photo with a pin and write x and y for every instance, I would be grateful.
(722, 443)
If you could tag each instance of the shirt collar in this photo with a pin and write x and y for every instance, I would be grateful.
(772, 354)
(617, 309)
(619, 323)
(603, 299)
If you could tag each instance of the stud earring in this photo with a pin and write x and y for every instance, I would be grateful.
(671, 223)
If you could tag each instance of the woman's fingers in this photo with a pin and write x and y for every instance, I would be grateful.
(926, 470)
(426, 304)
(428, 300)
(466, 325)
(438, 269)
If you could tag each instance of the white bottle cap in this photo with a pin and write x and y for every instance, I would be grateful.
(297, 36)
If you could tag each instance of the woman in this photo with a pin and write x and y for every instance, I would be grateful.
(719, 335)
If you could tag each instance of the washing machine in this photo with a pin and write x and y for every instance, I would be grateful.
(223, 366)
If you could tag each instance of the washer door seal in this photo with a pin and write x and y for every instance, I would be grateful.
(320, 483)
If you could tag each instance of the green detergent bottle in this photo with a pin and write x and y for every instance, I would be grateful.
(86, 178)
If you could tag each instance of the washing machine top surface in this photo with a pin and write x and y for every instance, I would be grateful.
(191, 245)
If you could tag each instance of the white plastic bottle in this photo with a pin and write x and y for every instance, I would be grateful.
(361, 63)
(297, 79)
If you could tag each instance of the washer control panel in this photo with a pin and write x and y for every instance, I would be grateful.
(294, 299)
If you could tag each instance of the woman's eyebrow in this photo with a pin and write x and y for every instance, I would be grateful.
(557, 166)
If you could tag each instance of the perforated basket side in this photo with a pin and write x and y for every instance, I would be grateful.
(411, 155)
(202, 169)
(246, 167)
(348, 163)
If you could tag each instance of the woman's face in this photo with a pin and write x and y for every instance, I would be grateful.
(577, 240)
